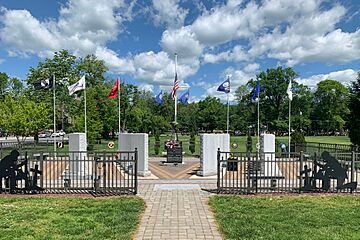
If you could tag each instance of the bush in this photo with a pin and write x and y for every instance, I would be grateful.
(249, 144)
(297, 137)
(192, 143)
(157, 144)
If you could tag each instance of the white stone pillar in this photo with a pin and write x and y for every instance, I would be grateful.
(79, 163)
(130, 141)
(209, 144)
(267, 155)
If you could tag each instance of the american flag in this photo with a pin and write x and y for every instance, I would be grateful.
(175, 87)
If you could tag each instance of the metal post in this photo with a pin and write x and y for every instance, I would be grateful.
(85, 115)
(136, 161)
(227, 115)
(119, 115)
(175, 115)
(218, 170)
(54, 115)
(352, 166)
(289, 126)
(301, 167)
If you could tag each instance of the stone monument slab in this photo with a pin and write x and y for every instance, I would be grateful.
(209, 144)
(130, 141)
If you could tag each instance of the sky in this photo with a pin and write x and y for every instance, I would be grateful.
(137, 39)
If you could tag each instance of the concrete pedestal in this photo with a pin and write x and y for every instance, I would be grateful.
(209, 144)
(79, 163)
(267, 155)
(130, 141)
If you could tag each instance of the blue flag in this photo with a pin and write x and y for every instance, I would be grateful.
(255, 96)
(185, 98)
(225, 86)
(159, 98)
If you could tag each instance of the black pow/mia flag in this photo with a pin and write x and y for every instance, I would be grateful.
(44, 84)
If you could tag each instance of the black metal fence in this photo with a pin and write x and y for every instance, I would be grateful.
(311, 148)
(29, 145)
(72, 172)
(241, 172)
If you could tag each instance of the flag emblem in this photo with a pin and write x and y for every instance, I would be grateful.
(225, 86)
(185, 98)
(255, 96)
(160, 98)
(44, 84)
(289, 91)
(79, 85)
(114, 90)
(175, 87)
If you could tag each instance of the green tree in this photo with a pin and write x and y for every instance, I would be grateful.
(354, 117)
(212, 114)
(330, 106)
(273, 98)
(22, 117)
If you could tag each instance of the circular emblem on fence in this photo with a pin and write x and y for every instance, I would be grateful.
(234, 145)
(111, 145)
(59, 145)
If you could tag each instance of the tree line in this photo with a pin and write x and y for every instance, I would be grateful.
(331, 108)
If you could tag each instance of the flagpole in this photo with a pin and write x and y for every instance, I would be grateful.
(227, 115)
(85, 113)
(258, 124)
(119, 115)
(54, 114)
(175, 108)
(289, 125)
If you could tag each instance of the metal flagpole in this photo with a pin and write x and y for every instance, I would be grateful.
(175, 115)
(258, 124)
(289, 125)
(227, 115)
(119, 115)
(85, 112)
(54, 114)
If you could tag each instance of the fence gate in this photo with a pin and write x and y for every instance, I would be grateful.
(69, 172)
(240, 172)
(116, 173)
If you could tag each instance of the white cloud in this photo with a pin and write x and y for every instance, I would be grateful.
(2, 60)
(169, 12)
(311, 37)
(158, 68)
(114, 62)
(237, 54)
(344, 76)
(181, 41)
(146, 87)
(237, 78)
(24, 33)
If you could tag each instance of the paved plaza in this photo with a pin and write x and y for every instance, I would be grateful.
(177, 211)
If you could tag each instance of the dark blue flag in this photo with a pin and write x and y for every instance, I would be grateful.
(225, 86)
(159, 98)
(255, 96)
(185, 98)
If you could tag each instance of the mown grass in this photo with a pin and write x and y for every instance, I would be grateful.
(288, 217)
(69, 217)
(240, 140)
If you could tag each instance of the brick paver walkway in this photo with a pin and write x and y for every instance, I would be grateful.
(176, 211)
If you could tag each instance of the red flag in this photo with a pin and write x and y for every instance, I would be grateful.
(114, 90)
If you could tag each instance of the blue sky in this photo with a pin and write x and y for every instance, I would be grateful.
(137, 39)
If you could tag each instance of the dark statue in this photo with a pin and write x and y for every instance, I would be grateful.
(331, 169)
(11, 171)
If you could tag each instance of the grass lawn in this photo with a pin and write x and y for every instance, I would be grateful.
(288, 217)
(69, 217)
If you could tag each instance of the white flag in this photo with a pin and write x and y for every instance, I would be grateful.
(79, 85)
(289, 91)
